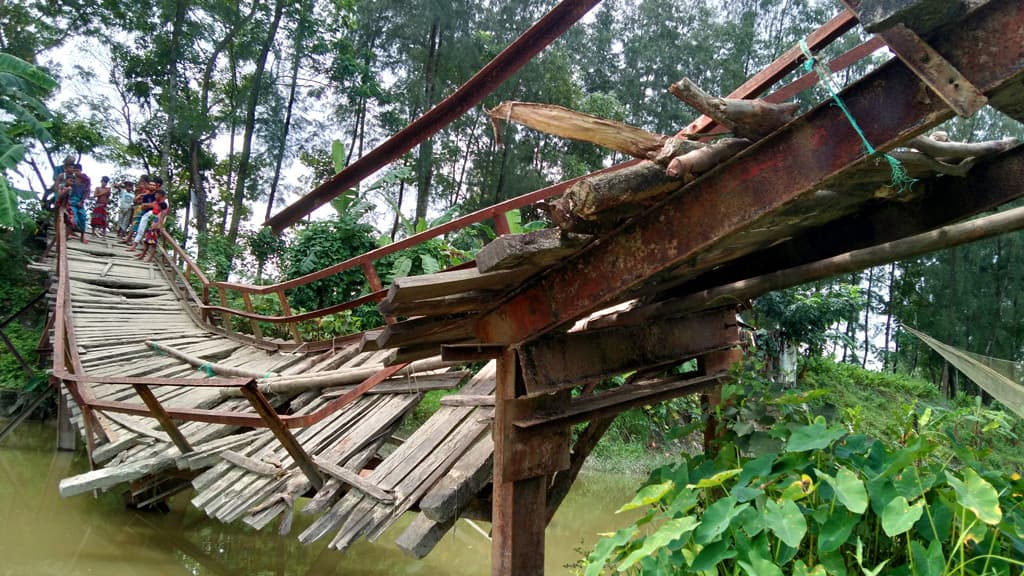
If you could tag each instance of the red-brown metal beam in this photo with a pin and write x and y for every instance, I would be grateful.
(488, 79)
(891, 104)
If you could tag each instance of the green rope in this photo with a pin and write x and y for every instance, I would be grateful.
(901, 181)
(208, 369)
(157, 349)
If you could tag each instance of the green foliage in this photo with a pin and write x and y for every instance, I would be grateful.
(825, 501)
(322, 244)
(23, 87)
(807, 315)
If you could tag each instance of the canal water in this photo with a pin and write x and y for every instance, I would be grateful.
(42, 534)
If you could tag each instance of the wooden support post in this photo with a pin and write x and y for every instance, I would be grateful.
(709, 401)
(65, 430)
(287, 310)
(163, 417)
(252, 321)
(284, 436)
(224, 315)
(523, 463)
(375, 285)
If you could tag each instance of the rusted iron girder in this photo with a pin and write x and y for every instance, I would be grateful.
(488, 79)
(937, 202)
(891, 104)
(566, 360)
(944, 79)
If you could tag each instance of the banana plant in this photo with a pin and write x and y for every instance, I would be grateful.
(23, 87)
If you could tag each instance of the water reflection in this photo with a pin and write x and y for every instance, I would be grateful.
(46, 535)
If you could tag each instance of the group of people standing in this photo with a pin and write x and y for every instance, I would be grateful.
(142, 207)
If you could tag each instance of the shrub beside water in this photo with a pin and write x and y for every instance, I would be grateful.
(790, 493)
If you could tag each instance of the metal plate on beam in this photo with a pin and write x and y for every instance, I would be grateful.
(946, 81)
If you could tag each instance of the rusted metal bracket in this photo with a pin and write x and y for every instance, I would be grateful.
(935, 71)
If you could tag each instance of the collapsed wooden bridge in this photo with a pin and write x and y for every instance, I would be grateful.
(173, 389)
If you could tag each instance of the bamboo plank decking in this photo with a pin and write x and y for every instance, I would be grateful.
(127, 318)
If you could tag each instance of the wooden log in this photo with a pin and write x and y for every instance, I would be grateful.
(287, 385)
(623, 193)
(941, 149)
(753, 119)
(536, 249)
(216, 368)
(946, 237)
(427, 330)
(688, 166)
(566, 123)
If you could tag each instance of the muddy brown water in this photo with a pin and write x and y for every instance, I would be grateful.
(42, 534)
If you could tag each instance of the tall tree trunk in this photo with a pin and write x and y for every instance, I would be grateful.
(180, 10)
(867, 318)
(200, 201)
(233, 104)
(424, 161)
(888, 316)
(398, 210)
(242, 178)
(298, 51)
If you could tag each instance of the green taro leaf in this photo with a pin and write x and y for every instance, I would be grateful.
(430, 265)
(668, 532)
(711, 555)
(402, 267)
(758, 565)
(717, 479)
(849, 489)
(786, 521)
(977, 495)
(801, 569)
(899, 516)
(930, 562)
(836, 531)
(604, 548)
(717, 518)
(338, 155)
(813, 436)
(648, 495)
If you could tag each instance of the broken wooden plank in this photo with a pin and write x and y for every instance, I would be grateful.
(355, 480)
(536, 249)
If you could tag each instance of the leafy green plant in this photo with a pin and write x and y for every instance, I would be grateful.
(817, 500)
(23, 87)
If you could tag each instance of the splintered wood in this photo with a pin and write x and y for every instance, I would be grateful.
(129, 323)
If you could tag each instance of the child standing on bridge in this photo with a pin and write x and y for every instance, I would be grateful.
(152, 236)
(99, 209)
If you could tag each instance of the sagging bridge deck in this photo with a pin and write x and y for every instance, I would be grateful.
(174, 389)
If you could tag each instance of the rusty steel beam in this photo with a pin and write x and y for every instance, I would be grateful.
(890, 104)
(936, 202)
(945, 80)
(489, 78)
(567, 360)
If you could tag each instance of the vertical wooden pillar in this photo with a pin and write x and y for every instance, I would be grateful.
(65, 429)
(710, 363)
(523, 465)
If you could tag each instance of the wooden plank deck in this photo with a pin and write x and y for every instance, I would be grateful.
(118, 304)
